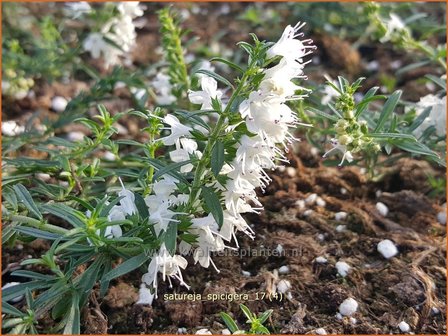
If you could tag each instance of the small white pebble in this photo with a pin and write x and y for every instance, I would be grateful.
(435, 310)
(289, 296)
(320, 202)
(340, 216)
(279, 248)
(404, 327)
(109, 156)
(339, 316)
(281, 169)
(321, 237)
(341, 228)
(362, 171)
(348, 307)
(182, 330)
(387, 248)
(308, 213)
(58, 104)
(291, 171)
(321, 260)
(343, 268)
(203, 332)
(343, 191)
(283, 286)
(382, 209)
(353, 320)
(75, 136)
(246, 273)
(145, 297)
(11, 128)
(300, 204)
(43, 177)
(314, 151)
(378, 193)
(311, 199)
(441, 218)
(226, 332)
(283, 270)
(12, 284)
(320, 331)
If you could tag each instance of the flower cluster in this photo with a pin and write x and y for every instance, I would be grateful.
(117, 36)
(268, 119)
(436, 117)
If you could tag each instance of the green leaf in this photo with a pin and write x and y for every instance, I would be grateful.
(73, 324)
(230, 323)
(247, 312)
(214, 75)
(20, 289)
(32, 275)
(72, 216)
(171, 237)
(263, 317)
(169, 169)
(213, 204)
(393, 136)
(362, 105)
(11, 310)
(217, 160)
(227, 62)
(141, 206)
(440, 82)
(411, 66)
(387, 110)
(36, 233)
(323, 114)
(25, 197)
(420, 119)
(126, 267)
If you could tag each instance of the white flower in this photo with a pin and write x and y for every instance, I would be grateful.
(170, 267)
(394, 26)
(163, 88)
(145, 297)
(77, 9)
(289, 47)
(437, 116)
(130, 8)
(182, 153)
(328, 94)
(127, 202)
(209, 90)
(208, 240)
(346, 155)
(177, 130)
(161, 217)
(205, 65)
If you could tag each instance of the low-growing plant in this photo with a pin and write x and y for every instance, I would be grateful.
(180, 193)
(256, 323)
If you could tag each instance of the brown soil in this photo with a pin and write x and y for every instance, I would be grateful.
(409, 287)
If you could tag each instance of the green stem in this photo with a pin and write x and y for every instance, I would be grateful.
(202, 165)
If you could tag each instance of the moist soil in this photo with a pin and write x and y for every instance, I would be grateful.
(409, 287)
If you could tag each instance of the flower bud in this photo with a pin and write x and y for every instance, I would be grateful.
(345, 139)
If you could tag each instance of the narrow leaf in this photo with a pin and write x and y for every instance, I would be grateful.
(25, 197)
(213, 204)
(217, 160)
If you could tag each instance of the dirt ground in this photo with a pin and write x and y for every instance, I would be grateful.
(410, 287)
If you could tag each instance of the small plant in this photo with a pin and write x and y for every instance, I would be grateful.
(256, 323)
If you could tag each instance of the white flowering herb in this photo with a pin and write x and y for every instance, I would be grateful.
(175, 187)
